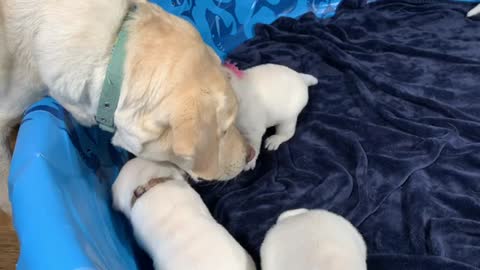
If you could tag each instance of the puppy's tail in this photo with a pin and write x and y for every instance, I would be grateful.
(308, 79)
(475, 11)
(292, 213)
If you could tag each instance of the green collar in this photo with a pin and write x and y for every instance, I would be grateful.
(113, 80)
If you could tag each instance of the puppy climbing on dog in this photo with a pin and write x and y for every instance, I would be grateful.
(269, 96)
(171, 222)
(128, 66)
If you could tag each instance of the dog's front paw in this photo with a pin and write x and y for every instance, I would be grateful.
(273, 142)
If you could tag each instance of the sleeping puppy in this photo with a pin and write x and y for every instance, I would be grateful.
(474, 11)
(269, 95)
(172, 223)
(315, 239)
(175, 102)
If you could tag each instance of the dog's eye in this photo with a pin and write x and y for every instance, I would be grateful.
(224, 133)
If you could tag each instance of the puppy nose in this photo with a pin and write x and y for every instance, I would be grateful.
(250, 153)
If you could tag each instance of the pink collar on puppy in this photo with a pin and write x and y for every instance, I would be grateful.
(233, 68)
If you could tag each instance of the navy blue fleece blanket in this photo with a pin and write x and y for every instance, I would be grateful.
(390, 138)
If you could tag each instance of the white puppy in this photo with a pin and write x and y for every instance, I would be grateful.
(315, 239)
(269, 95)
(474, 11)
(172, 223)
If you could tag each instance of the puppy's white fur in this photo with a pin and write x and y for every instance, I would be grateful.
(269, 95)
(474, 11)
(172, 223)
(313, 239)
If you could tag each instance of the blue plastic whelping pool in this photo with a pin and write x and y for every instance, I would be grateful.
(61, 172)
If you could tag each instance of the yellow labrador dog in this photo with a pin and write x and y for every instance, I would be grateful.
(174, 100)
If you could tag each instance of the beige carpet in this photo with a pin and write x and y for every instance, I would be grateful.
(8, 244)
(8, 237)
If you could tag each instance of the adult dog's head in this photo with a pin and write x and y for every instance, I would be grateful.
(177, 104)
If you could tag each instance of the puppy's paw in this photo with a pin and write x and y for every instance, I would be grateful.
(273, 142)
(471, 13)
(474, 12)
(251, 165)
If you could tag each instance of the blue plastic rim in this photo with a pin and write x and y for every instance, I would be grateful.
(61, 172)
(225, 24)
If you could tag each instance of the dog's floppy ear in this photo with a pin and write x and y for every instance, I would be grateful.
(132, 131)
(126, 139)
(195, 138)
(134, 123)
(184, 138)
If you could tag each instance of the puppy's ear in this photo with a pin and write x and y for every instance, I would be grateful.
(292, 213)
